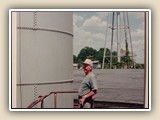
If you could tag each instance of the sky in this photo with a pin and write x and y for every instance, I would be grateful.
(92, 29)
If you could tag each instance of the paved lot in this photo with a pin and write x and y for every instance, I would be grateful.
(116, 85)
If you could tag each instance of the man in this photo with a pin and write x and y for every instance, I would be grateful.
(88, 87)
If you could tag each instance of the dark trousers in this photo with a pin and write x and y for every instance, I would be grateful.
(88, 103)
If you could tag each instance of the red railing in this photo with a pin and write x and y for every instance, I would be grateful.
(41, 98)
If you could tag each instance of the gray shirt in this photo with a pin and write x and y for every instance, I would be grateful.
(88, 84)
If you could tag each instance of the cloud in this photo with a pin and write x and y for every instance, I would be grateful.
(90, 30)
(95, 25)
(138, 48)
(102, 14)
(89, 33)
(138, 33)
(80, 38)
(138, 43)
(136, 15)
(77, 18)
(94, 21)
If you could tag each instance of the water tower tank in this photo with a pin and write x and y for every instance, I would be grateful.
(44, 55)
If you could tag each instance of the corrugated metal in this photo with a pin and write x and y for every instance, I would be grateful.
(45, 56)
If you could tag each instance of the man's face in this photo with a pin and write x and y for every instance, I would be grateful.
(87, 68)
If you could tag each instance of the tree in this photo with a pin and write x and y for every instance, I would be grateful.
(87, 52)
(75, 60)
(100, 53)
(114, 59)
(139, 66)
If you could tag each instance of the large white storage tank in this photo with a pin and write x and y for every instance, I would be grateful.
(44, 57)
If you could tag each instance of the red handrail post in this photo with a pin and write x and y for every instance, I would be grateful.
(55, 100)
(42, 104)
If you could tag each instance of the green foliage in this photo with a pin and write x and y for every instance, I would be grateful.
(89, 52)
(139, 66)
(75, 59)
(100, 53)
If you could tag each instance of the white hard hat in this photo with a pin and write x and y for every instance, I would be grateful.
(88, 61)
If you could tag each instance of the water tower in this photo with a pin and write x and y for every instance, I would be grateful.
(120, 34)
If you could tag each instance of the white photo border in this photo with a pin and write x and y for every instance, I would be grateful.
(147, 70)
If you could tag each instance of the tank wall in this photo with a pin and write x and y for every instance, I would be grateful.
(52, 20)
(45, 56)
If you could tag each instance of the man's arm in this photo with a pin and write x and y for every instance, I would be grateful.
(91, 93)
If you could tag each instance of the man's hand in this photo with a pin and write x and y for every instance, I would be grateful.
(81, 101)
